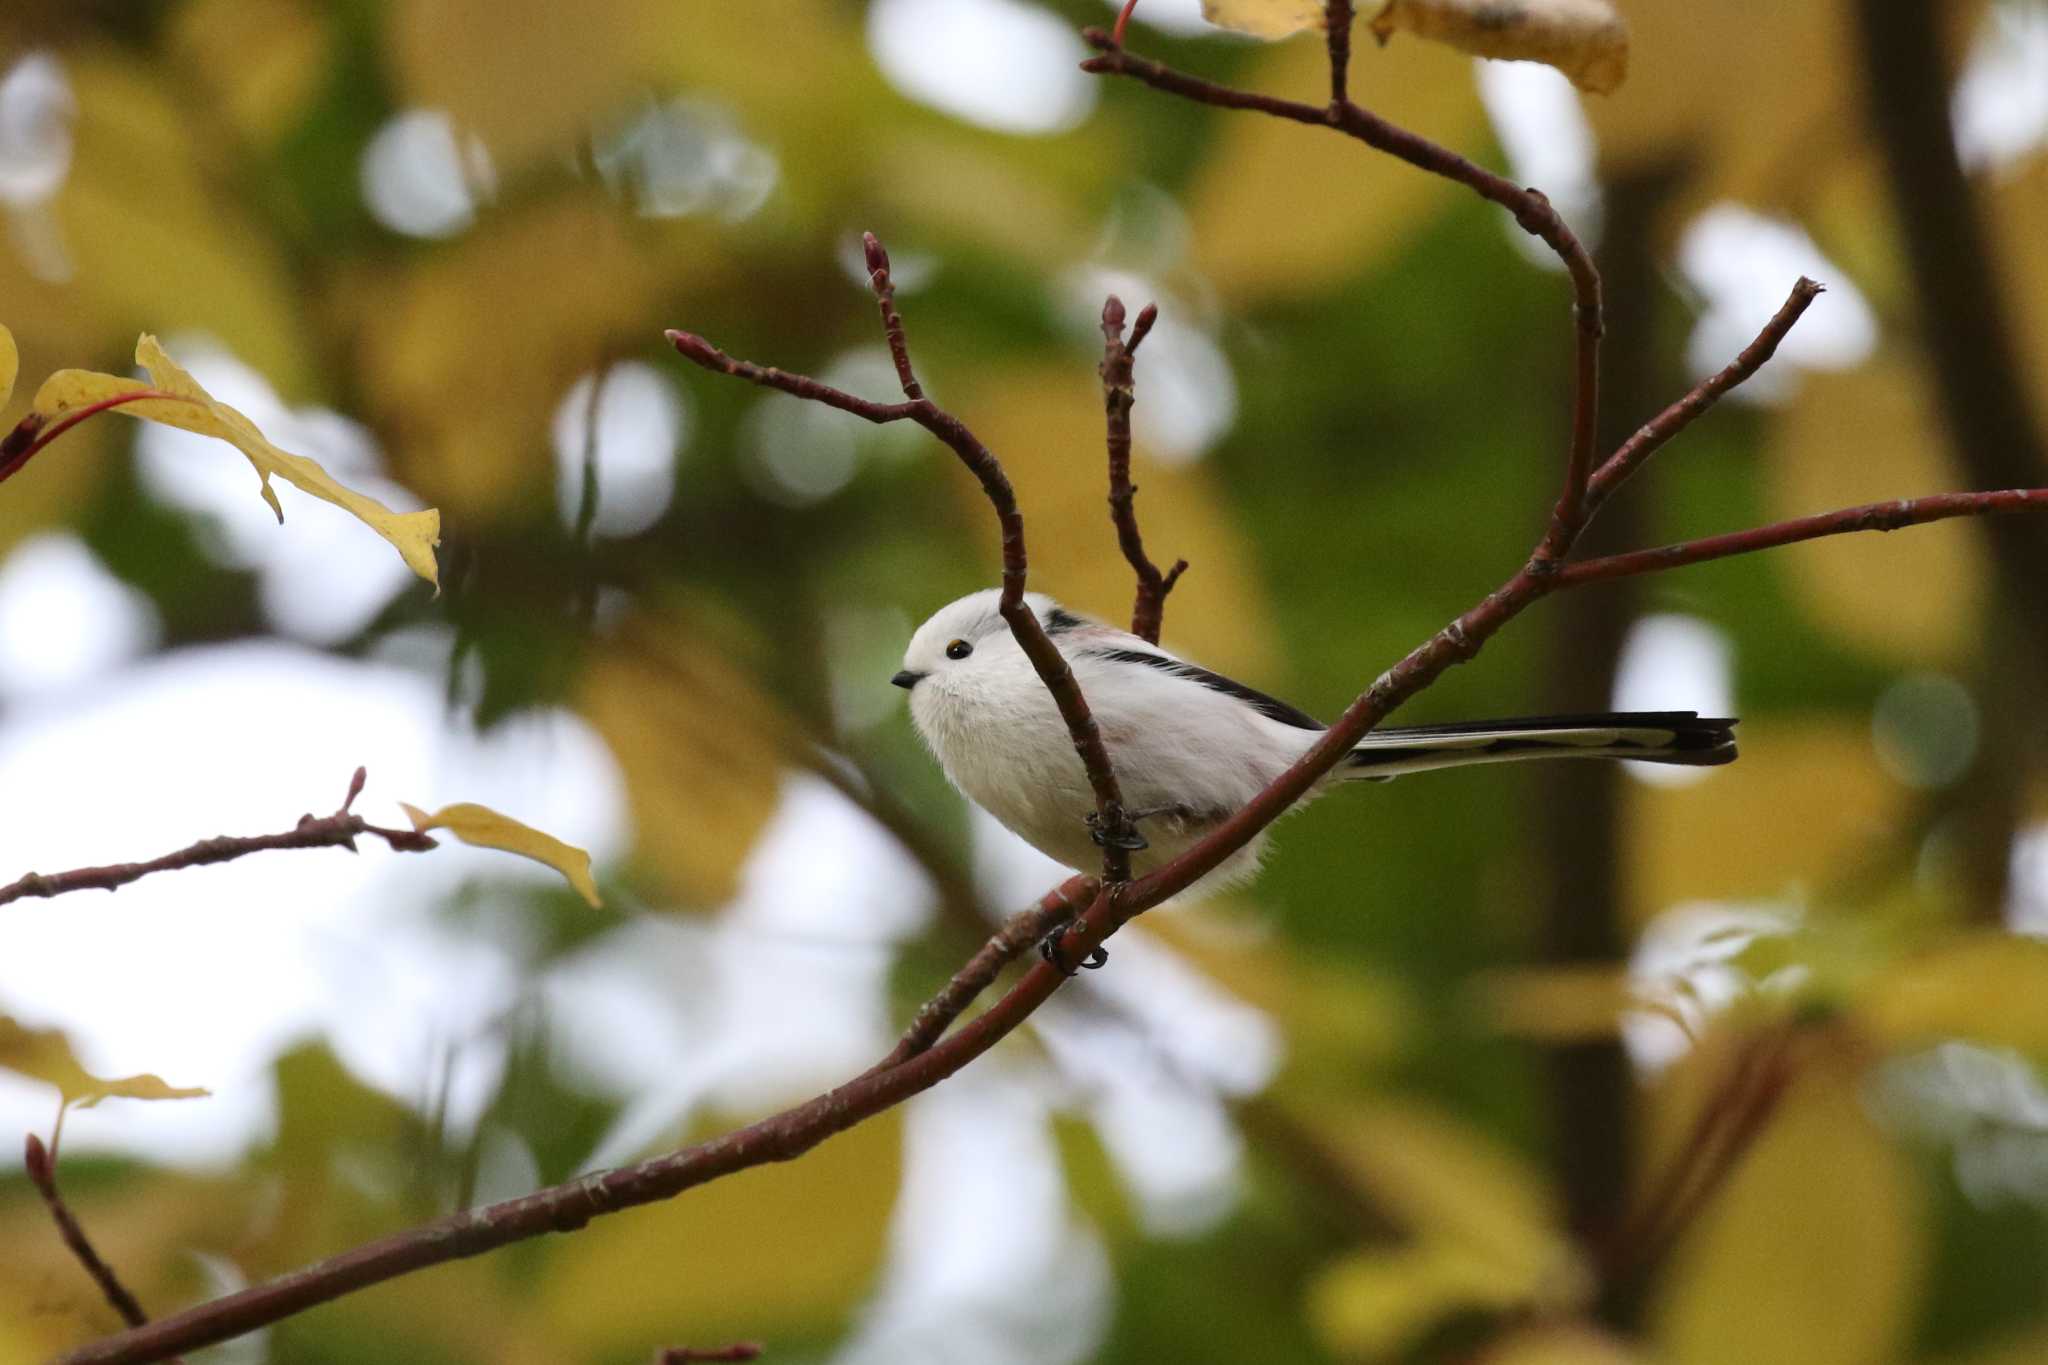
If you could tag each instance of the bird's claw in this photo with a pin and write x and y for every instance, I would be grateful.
(1127, 838)
(1049, 949)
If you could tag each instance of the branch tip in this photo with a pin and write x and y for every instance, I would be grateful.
(35, 1158)
(1142, 328)
(355, 788)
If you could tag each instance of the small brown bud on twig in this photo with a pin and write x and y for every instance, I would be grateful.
(36, 1159)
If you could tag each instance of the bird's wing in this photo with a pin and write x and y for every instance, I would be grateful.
(1118, 647)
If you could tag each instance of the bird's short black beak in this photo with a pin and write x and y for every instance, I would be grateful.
(906, 679)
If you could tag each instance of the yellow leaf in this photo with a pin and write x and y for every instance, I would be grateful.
(1488, 1217)
(1565, 1004)
(10, 364)
(485, 828)
(1863, 436)
(1564, 1343)
(1282, 210)
(45, 1055)
(413, 534)
(1375, 1304)
(787, 1249)
(1807, 795)
(1985, 986)
(701, 748)
(1585, 39)
(1264, 18)
(1813, 1252)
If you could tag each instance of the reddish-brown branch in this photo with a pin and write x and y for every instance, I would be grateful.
(33, 432)
(1337, 34)
(739, 1350)
(1019, 933)
(564, 1208)
(1638, 448)
(1875, 516)
(1532, 212)
(1051, 666)
(1123, 21)
(1119, 392)
(41, 1165)
(339, 830)
(919, 1062)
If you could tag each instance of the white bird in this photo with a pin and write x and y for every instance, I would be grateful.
(1189, 747)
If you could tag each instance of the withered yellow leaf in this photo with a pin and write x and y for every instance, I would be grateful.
(1585, 39)
(484, 827)
(45, 1055)
(191, 408)
(1983, 986)
(10, 364)
(1264, 18)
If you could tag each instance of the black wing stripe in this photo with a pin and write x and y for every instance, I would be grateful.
(1271, 707)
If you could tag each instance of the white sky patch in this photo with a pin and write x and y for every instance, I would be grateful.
(2000, 104)
(686, 156)
(36, 109)
(797, 453)
(979, 1154)
(204, 975)
(1187, 393)
(1154, 1074)
(1167, 1131)
(420, 178)
(2026, 910)
(999, 64)
(323, 574)
(64, 620)
(909, 269)
(1744, 266)
(1672, 662)
(1543, 129)
(823, 896)
(642, 429)
(1684, 962)
(1180, 17)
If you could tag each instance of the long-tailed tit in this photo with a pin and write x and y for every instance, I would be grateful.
(1189, 746)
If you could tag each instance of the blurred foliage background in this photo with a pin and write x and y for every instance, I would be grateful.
(1544, 1064)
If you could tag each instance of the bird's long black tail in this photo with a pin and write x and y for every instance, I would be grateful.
(1649, 736)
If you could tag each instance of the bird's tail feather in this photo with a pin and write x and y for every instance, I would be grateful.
(1647, 736)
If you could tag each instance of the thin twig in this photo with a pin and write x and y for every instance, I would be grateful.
(35, 431)
(1046, 659)
(1638, 448)
(1018, 933)
(739, 1350)
(1875, 516)
(338, 830)
(1148, 609)
(41, 1166)
(1337, 33)
(1532, 211)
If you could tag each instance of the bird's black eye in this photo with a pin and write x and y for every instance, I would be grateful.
(959, 649)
